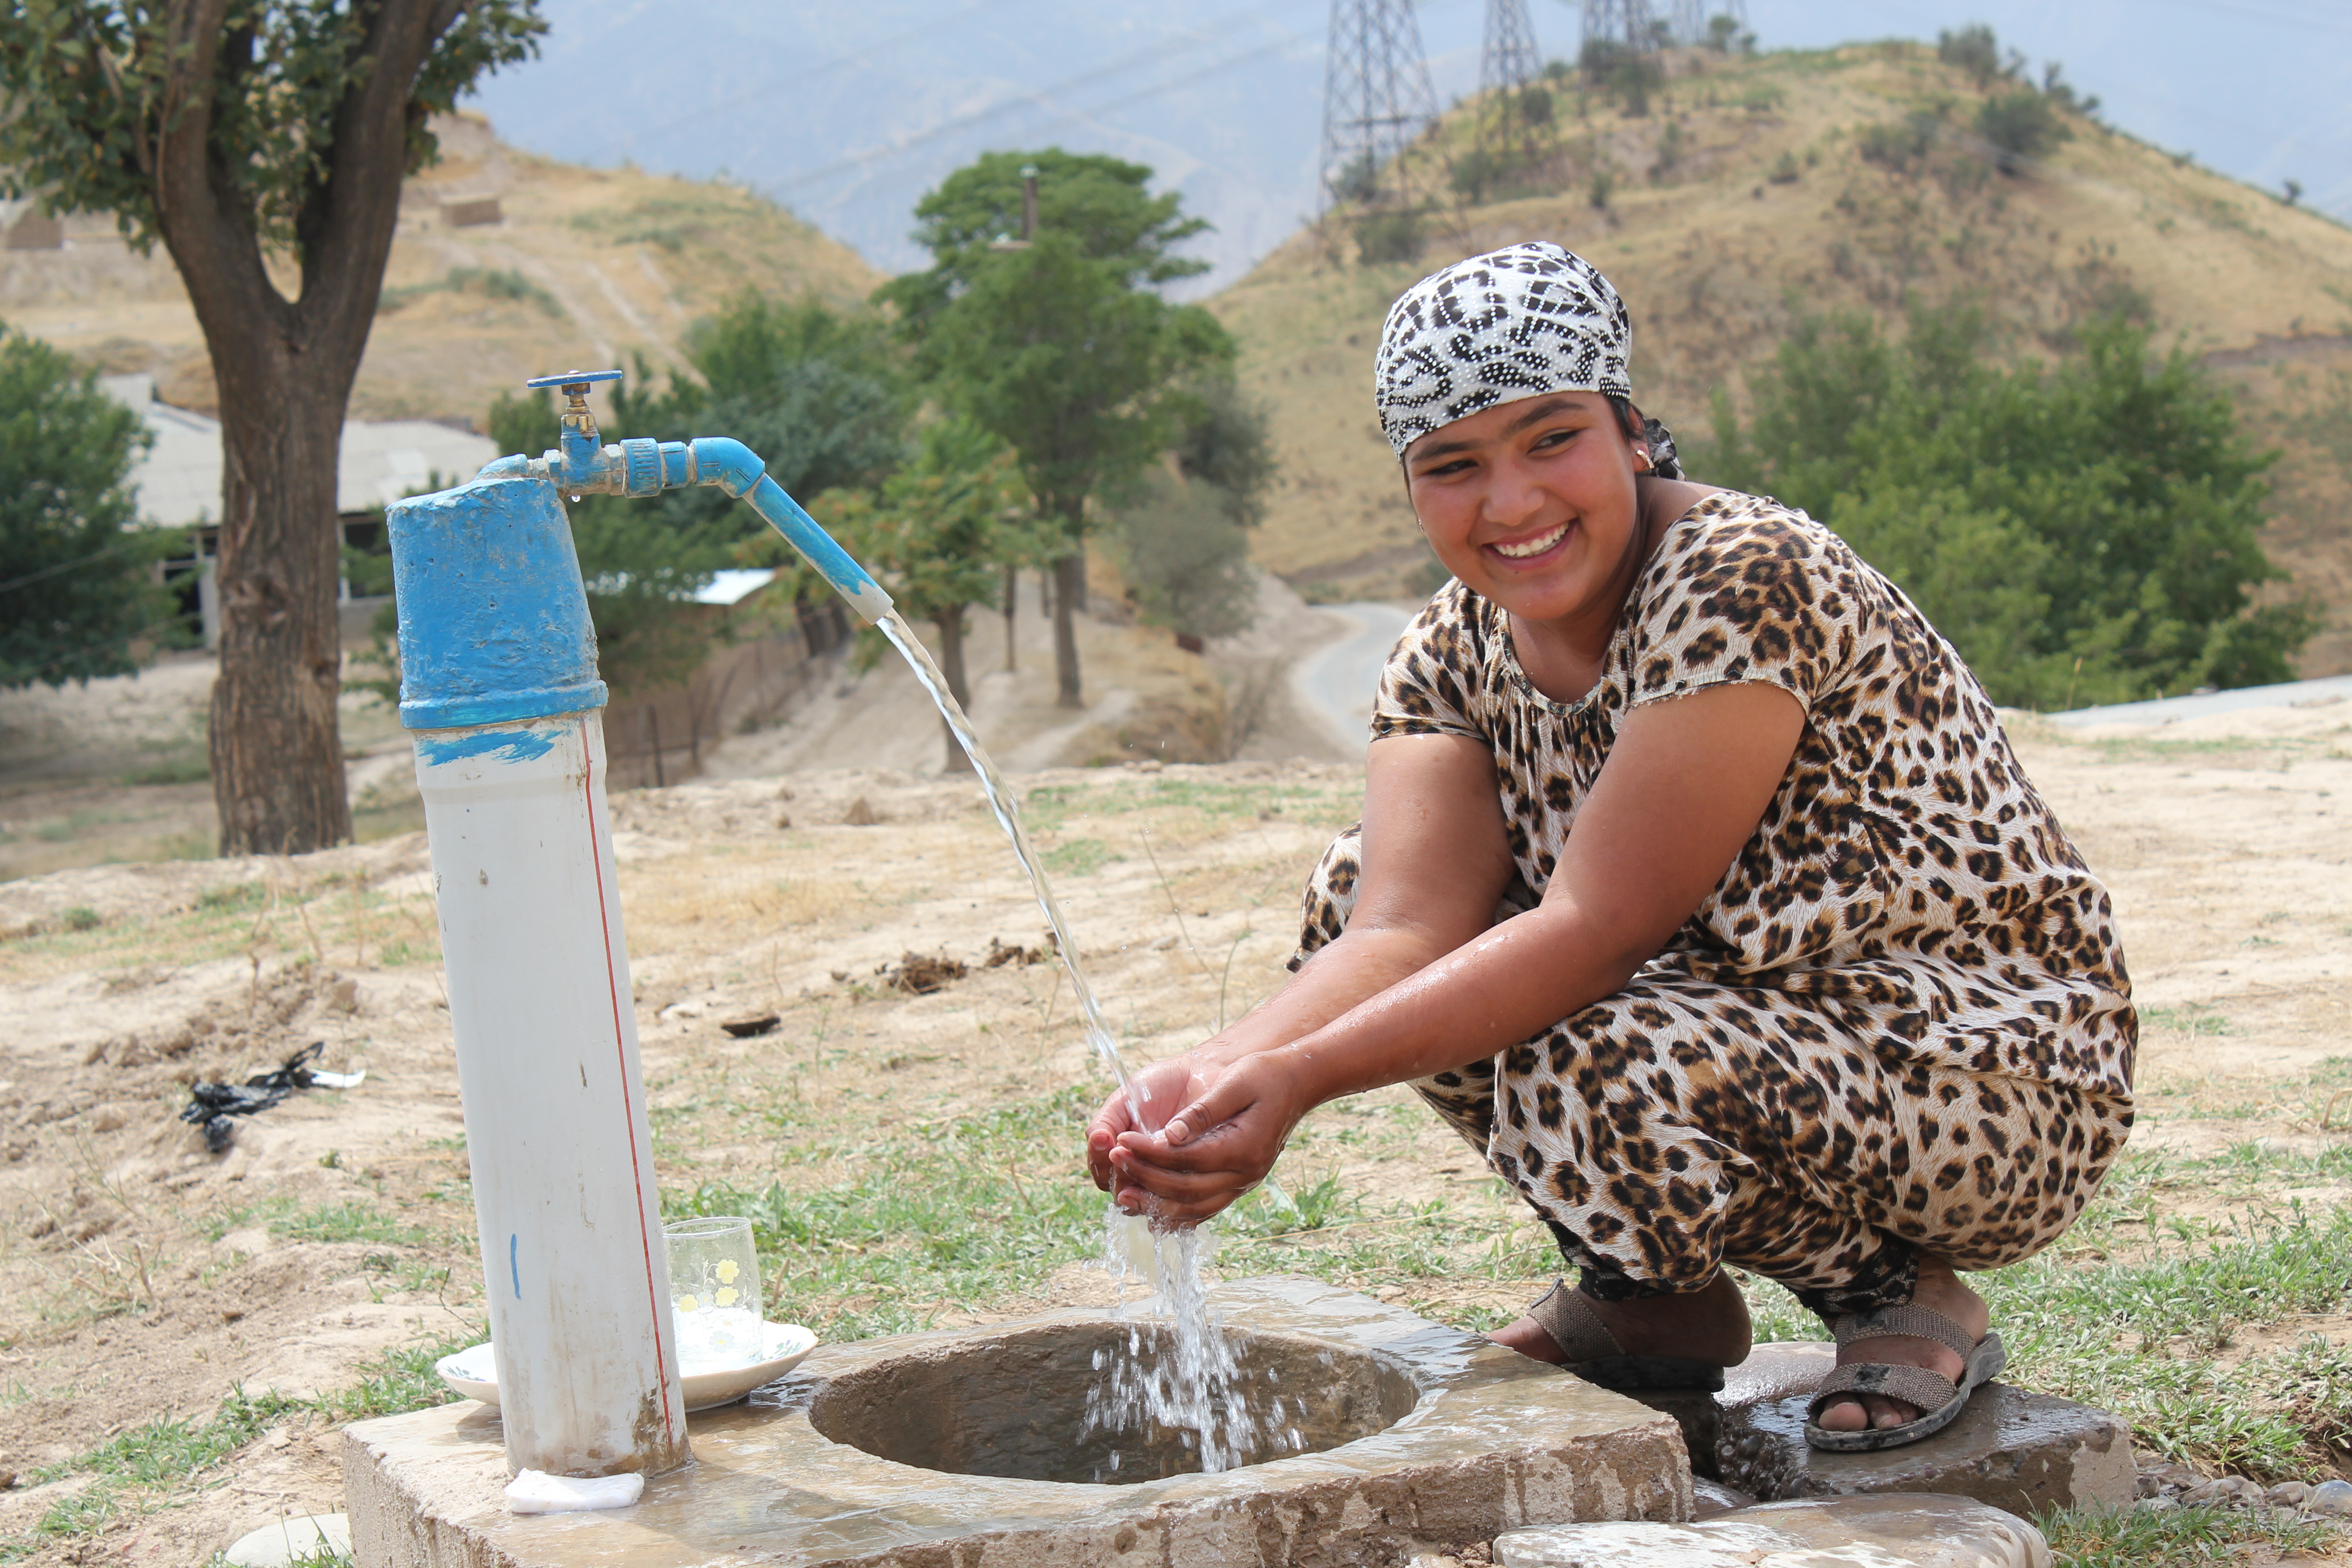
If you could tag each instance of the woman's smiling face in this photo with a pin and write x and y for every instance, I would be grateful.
(1531, 504)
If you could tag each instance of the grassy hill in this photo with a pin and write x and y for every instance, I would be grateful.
(586, 268)
(1717, 257)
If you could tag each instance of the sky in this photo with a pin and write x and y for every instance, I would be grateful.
(848, 114)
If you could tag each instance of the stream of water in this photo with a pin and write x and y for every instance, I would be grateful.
(1194, 1386)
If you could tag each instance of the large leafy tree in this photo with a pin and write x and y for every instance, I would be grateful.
(1062, 347)
(240, 132)
(74, 594)
(936, 532)
(2082, 532)
(822, 395)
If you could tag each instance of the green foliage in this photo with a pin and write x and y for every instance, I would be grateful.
(1724, 36)
(1974, 49)
(2082, 534)
(939, 532)
(1063, 350)
(1386, 235)
(1186, 558)
(1226, 442)
(2019, 127)
(74, 564)
(91, 97)
(491, 282)
(824, 395)
(1627, 74)
(2127, 1537)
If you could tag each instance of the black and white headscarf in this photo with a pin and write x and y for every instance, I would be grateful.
(1523, 321)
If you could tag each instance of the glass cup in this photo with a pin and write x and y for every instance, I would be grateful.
(714, 1291)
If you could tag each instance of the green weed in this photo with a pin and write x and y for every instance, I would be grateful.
(1078, 857)
(2173, 1538)
(233, 897)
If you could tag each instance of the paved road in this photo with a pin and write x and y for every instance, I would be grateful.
(1336, 682)
(2164, 710)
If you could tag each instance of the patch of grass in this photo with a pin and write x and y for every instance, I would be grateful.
(162, 1453)
(233, 897)
(2193, 1018)
(490, 282)
(194, 768)
(81, 917)
(132, 1471)
(401, 1379)
(350, 1222)
(959, 1214)
(2172, 1538)
(1078, 857)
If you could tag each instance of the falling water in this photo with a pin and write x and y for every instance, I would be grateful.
(1193, 1387)
(1000, 801)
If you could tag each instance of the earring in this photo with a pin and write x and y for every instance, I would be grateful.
(1640, 460)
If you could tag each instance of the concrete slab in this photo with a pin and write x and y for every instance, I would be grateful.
(1464, 1440)
(2019, 1451)
(1844, 1532)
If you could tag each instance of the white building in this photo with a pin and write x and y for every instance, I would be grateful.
(179, 479)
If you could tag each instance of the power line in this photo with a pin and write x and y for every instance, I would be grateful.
(1041, 97)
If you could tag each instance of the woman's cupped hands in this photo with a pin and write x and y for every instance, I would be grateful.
(1196, 1133)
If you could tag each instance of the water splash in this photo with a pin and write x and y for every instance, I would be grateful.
(1193, 1387)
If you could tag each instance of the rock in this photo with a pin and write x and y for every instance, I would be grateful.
(2019, 1451)
(2333, 1499)
(861, 813)
(2288, 1494)
(1891, 1531)
(345, 996)
(286, 1541)
(1712, 1498)
(109, 1118)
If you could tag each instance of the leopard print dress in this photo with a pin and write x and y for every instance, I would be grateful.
(1899, 1025)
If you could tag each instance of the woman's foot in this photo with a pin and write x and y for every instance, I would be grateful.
(1939, 1290)
(1707, 1325)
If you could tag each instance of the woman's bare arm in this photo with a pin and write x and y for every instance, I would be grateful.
(1683, 789)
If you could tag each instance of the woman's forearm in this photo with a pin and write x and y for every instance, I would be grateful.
(1500, 988)
(1354, 968)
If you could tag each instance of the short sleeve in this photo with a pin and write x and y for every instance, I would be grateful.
(1760, 594)
(1427, 685)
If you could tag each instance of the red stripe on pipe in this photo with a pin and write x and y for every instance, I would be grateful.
(612, 986)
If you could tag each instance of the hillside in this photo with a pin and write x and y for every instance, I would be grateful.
(584, 267)
(1716, 257)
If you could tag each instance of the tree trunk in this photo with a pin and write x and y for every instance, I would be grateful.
(1012, 606)
(1069, 591)
(951, 666)
(277, 753)
(283, 368)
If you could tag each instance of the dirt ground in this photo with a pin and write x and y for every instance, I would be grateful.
(141, 1275)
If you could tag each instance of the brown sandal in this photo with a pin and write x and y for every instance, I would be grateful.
(1589, 1351)
(1938, 1397)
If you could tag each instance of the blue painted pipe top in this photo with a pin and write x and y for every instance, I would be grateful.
(493, 618)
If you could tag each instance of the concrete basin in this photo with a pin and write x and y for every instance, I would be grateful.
(948, 1450)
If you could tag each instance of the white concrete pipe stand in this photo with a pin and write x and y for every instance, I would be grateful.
(497, 675)
(498, 681)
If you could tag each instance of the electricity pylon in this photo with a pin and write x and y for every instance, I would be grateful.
(1515, 127)
(1377, 101)
(1691, 18)
(1627, 23)
(1508, 60)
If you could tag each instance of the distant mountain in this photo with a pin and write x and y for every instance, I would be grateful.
(1807, 180)
(847, 115)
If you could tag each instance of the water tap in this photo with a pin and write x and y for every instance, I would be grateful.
(576, 435)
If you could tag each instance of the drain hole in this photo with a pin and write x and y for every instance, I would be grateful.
(1016, 1405)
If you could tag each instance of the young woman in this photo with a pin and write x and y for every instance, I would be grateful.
(1696, 887)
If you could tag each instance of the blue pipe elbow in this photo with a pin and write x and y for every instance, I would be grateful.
(737, 470)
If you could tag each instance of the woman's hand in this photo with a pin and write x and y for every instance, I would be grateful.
(1227, 1128)
(1163, 1089)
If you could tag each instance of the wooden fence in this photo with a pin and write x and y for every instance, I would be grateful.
(657, 737)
